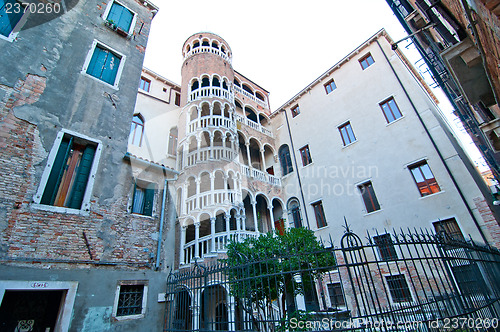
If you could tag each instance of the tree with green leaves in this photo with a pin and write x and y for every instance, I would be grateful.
(272, 267)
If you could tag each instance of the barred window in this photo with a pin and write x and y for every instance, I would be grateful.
(130, 300)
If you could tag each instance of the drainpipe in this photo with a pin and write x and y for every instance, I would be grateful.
(129, 156)
(435, 146)
(297, 170)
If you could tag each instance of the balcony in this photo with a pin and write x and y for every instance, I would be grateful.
(250, 96)
(261, 176)
(209, 154)
(207, 49)
(253, 125)
(210, 198)
(211, 92)
(211, 121)
(211, 245)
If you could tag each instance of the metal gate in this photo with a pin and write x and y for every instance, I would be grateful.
(418, 281)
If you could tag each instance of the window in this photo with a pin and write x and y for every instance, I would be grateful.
(330, 86)
(104, 64)
(144, 84)
(69, 174)
(391, 110)
(285, 160)
(385, 247)
(426, 183)
(305, 154)
(369, 198)
(336, 295)
(347, 134)
(366, 61)
(172, 142)
(136, 130)
(450, 228)
(10, 17)
(177, 99)
(142, 202)
(319, 213)
(295, 111)
(130, 300)
(119, 16)
(294, 209)
(398, 288)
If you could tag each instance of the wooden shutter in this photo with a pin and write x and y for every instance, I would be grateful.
(56, 172)
(110, 68)
(82, 177)
(120, 16)
(148, 200)
(97, 62)
(8, 21)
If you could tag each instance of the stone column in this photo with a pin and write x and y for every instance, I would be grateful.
(212, 186)
(270, 208)
(211, 145)
(247, 144)
(254, 212)
(183, 243)
(198, 203)
(263, 160)
(212, 233)
(197, 239)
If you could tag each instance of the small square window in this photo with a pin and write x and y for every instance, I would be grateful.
(385, 247)
(12, 18)
(398, 288)
(347, 134)
(426, 183)
(369, 198)
(164, 89)
(336, 295)
(104, 64)
(305, 154)
(130, 300)
(143, 199)
(67, 179)
(119, 17)
(450, 228)
(366, 61)
(391, 110)
(330, 86)
(319, 213)
(144, 84)
(295, 111)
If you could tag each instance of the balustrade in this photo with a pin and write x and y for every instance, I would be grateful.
(259, 175)
(207, 49)
(253, 125)
(211, 91)
(211, 198)
(249, 95)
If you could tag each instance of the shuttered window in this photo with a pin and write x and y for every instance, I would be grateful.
(143, 199)
(69, 175)
(120, 16)
(104, 65)
(10, 15)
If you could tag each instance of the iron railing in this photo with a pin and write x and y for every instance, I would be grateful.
(417, 281)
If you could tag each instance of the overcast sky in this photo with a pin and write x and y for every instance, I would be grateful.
(280, 45)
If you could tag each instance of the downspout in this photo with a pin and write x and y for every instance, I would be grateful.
(164, 200)
(435, 146)
(297, 169)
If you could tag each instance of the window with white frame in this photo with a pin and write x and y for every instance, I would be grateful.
(130, 300)
(143, 198)
(13, 15)
(119, 17)
(68, 178)
(136, 130)
(104, 64)
(336, 295)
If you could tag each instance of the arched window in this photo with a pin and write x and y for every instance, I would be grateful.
(224, 85)
(236, 83)
(214, 45)
(260, 96)
(205, 43)
(205, 82)
(136, 130)
(215, 82)
(196, 44)
(172, 141)
(251, 115)
(285, 160)
(195, 85)
(247, 89)
(294, 210)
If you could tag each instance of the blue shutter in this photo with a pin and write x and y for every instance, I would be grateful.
(120, 16)
(8, 21)
(96, 64)
(56, 172)
(149, 200)
(110, 68)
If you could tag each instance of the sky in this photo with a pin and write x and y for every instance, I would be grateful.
(280, 45)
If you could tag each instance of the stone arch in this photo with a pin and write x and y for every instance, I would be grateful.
(219, 180)
(205, 182)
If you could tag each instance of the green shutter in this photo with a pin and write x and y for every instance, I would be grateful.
(148, 200)
(82, 177)
(56, 172)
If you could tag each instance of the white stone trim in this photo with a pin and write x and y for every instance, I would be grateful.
(108, 9)
(144, 299)
(68, 301)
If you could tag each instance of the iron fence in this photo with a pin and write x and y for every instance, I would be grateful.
(418, 281)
